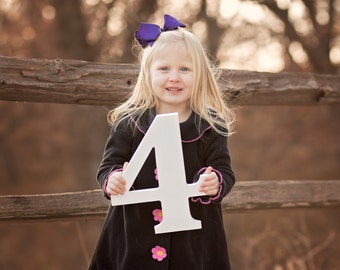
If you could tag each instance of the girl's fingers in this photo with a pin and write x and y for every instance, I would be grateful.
(213, 184)
(208, 170)
(125, 165)
(211, 188)
(116, 185)
(210, 185)
(115, 188)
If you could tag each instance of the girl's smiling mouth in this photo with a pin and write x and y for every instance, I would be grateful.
(173, 89)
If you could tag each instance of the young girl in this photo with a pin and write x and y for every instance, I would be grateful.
(175, 76)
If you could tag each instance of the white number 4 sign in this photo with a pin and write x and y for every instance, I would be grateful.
(173, 191)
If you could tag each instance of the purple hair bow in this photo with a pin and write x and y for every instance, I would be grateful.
(147, 33)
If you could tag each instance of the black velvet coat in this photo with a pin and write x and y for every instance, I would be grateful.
(128, 236)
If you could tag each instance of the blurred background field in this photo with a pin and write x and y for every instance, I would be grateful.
(49, 148)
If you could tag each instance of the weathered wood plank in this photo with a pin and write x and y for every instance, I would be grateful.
(80, 82)
(56, 206)
(281, 194)
(253, 195)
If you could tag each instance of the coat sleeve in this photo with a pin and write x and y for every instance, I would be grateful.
(118, 149)
(217, 155)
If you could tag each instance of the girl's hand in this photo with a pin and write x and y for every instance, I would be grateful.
(210, 185)
(116, 184)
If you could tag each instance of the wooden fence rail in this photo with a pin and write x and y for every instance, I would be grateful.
(80, 82)
(251, 195)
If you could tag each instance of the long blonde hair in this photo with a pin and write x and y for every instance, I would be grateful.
(206, 100)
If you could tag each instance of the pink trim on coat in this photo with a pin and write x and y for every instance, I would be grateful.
(218, 193)
(199, 137)
(183, 141)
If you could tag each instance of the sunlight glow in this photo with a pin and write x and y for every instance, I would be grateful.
(322, 15)
(199, 28)
(335, 55)
(115, 26)
(252, 32)
(298, 53)
(212, 8)
(6, 5)
(93, 36)
(116, 23)
(48, 13)
(297, 10)
(248, 56)
(28, 33)
(12, 8)
(179, 8)
(283, 4)
(234, 58)
(229, 8)
(270, 57)
(92, 2)
(297, 14)
(252, 12)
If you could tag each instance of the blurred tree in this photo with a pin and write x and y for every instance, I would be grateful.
(309, 36)
(315, 30)
(70, 30)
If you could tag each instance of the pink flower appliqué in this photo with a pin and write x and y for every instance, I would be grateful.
(157, 215)
(156, 174)
(158, 253)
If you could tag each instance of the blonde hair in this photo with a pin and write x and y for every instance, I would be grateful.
(206, 99)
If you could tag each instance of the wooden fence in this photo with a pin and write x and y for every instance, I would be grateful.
(80, 82)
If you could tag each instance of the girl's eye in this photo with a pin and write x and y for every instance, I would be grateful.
(184, 69)
(163, 68)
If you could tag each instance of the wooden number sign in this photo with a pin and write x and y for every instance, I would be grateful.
(173, 191)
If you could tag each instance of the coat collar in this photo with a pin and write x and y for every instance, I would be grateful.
(191, 130)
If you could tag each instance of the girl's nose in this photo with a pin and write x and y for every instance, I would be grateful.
(174, 76)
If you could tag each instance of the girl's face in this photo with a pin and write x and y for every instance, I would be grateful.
(172, 79)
